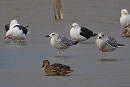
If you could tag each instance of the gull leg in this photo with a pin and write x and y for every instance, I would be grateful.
(13, 40)
(58, 52)
(62, 52)
(20, 42)
(109, 56)
(102, 55)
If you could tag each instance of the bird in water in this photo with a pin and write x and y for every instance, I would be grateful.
(78, 33)
(125, 18)
(107, 44)
(60, 43)
(15, 31)
(56, 68)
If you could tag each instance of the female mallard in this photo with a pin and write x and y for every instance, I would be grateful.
(56, 68)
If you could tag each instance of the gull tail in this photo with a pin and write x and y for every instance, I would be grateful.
(75, 42)
(27, 26)
(94, 34)
(120, 45)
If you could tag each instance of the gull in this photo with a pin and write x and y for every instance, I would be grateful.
(107, 44)
(125, 18)
(60, 43)
(80, 33)
(16, 31)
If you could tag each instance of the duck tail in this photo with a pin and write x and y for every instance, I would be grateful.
(69, 71)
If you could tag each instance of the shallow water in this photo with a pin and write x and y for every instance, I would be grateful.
(20, 65)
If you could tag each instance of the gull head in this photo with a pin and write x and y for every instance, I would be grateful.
(13, 23)
(100, 35)
(124, 12)
(75, 25)
(52, 35)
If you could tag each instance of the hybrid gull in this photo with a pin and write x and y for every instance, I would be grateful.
(106, 44)
(80, 33)
(60, 43)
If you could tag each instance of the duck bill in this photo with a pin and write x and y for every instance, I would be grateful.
(126, 13)
(42, 66)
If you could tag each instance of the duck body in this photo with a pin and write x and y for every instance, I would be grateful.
(56, 68)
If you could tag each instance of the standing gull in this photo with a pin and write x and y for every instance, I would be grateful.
(60, 43)
(125, 18)
(106, 44)
(80, 33)
(15, 31)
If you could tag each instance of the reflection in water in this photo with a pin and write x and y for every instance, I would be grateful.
(60, 56)
(110, 60)
(17, 43)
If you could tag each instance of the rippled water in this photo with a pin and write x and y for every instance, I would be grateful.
(20, 65)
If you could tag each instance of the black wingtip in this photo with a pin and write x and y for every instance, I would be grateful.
(94, 34)
(7, 27)
(121, 44)
(75, 42)
(27, 26)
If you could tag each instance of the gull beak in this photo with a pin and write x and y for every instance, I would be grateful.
(47, 36)
(71, 26)
(5, 37)
(126, 13)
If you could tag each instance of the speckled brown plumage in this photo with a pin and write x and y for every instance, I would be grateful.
(56, 68)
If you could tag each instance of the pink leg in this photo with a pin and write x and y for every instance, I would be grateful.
(102, 55)
(109, 56)
(63, 53)
(58, 52)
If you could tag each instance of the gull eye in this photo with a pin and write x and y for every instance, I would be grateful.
(53, 34)
(99, 37)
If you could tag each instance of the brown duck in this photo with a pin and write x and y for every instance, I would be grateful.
(56, 68)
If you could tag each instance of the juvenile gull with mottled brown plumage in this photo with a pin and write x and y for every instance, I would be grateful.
(60, 43)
